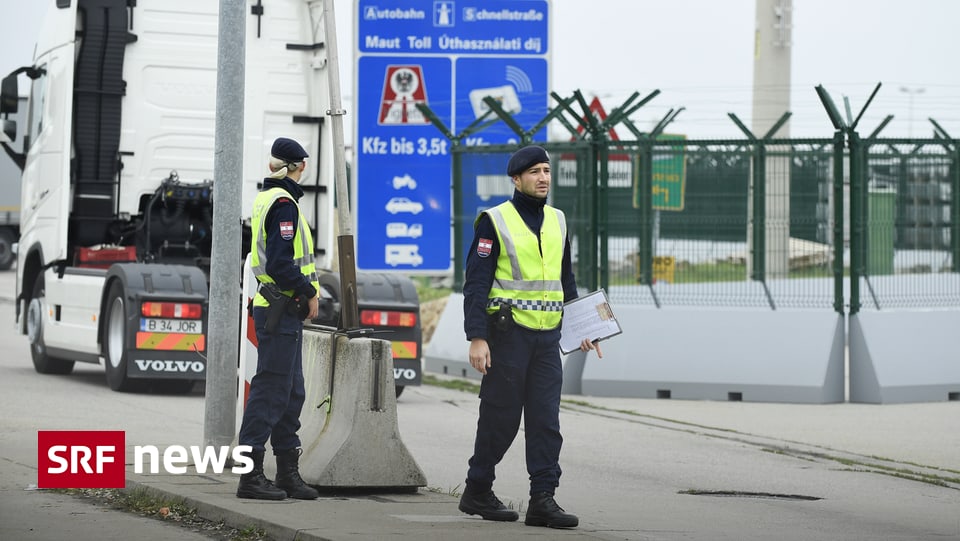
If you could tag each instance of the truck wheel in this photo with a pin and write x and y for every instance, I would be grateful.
(114, 340)
(399, 390)
(43, 363)
(6, 249)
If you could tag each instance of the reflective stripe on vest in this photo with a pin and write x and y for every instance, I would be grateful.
(302, 243)
(528, 271)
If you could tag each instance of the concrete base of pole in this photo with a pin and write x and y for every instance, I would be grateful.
(357, 444)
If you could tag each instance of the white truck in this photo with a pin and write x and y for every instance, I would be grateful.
(117, 168)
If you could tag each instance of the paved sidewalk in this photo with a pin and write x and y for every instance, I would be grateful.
(422, 515)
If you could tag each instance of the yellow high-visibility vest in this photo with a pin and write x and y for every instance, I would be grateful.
(302, 243)
(528, 268)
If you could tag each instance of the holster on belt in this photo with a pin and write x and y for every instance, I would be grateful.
(502, 319)
(278, 304)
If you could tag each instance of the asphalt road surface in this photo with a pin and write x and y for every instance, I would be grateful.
(635, 469)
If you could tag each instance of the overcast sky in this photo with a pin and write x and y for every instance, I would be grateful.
(699, 53)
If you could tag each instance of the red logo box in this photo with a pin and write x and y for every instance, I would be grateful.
(81, 459)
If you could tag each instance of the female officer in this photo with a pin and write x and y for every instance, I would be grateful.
(282, 259)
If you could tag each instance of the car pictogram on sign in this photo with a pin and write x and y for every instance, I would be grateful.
(402, 204)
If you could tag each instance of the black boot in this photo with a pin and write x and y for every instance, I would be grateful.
(255, 485)
(288, 476)
(544, 511)
(487, 505)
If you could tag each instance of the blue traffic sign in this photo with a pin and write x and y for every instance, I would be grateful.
(403, 181)
(478, 27)
(447, 55)
(519, 86)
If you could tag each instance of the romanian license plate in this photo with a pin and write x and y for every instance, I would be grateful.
(182, 326)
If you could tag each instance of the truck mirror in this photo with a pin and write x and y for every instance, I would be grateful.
(9, 130)
(9, 95)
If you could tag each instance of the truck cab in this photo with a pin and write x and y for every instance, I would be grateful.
(116, 170)
(117, 173)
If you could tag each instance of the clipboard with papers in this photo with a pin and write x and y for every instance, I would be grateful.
(588, 317)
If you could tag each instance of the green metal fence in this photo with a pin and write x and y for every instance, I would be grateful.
(906, 217)
(839, 223)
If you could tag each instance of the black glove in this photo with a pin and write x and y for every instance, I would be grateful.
(299, 306)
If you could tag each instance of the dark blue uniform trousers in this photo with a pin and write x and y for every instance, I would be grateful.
(276, 391)
(525, 377)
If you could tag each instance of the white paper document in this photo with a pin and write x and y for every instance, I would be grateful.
(589, 317)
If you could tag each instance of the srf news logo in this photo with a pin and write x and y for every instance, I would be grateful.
(97, 459)
(81, 459)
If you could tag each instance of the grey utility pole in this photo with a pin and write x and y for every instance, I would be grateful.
(771, 99)
(771, 64)
(223, 319)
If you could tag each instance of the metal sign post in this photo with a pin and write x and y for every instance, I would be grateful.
(349, 313)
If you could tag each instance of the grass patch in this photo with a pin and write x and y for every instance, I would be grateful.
(903, 473)
(138, 501)
(720, 271)
(429, 288)
(456, 491)
(855, 465)
(173, 510)
(142, 502)
(455, 384)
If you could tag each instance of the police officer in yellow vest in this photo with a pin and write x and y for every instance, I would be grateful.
(282, 260)
(518, 275)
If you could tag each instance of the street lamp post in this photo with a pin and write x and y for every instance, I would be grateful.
(910, 92)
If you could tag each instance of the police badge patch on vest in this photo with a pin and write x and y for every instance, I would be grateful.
(484, 247)
(286, 230)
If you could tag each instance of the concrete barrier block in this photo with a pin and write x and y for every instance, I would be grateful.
(754, 355)
(715, 354)
(899, 356)
(446, 353)
(357, 444)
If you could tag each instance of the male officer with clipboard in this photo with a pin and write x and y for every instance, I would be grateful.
(518, 275)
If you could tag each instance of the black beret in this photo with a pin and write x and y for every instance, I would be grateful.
(525, 158)
(288, 150)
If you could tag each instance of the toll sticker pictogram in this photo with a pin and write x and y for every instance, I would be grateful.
(403, 89)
